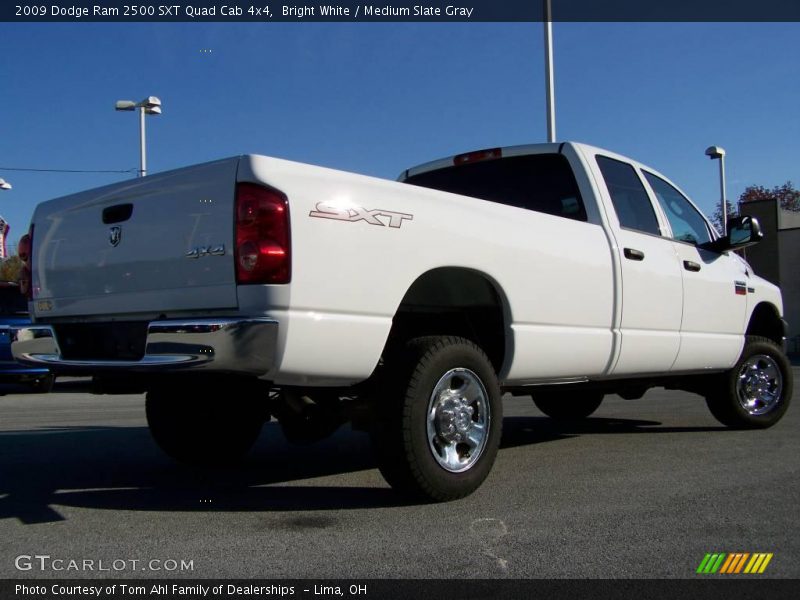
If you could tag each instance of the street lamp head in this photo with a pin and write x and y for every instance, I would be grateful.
(149, 106)
(4, 185)
(125, 105)
(715, 152)
(150, 102)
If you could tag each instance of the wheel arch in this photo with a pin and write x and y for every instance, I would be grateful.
(456, 301)
(765, 321)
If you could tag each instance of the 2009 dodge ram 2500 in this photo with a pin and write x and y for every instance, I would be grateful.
(253, 287)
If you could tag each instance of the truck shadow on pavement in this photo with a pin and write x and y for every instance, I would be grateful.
(522, 431)
(120, 468)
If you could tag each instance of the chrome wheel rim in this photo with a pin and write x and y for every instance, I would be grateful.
(458, 420)
(760, 385)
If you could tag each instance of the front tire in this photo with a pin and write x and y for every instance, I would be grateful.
(204, 422)
(756, 392)
(438, 436)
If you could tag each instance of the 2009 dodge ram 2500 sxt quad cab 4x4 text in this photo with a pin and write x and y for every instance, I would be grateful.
(253, 287)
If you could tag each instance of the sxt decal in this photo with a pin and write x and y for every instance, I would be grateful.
(358, 213)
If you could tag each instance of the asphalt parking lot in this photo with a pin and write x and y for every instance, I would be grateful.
(644, 489)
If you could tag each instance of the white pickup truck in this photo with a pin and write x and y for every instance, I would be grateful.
(253, 287)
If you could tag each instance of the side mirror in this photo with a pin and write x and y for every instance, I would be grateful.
(743, 231)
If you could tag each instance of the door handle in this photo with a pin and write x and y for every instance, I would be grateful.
(691, 266)
(117, 214)
(633, 254)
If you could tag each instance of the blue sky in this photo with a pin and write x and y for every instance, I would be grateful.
(378, 98)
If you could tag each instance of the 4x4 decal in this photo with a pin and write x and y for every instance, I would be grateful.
(358, 213)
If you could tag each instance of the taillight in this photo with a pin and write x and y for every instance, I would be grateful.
(479, 155)
(263, 249)
(24, 249)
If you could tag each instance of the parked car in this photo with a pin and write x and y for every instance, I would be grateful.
(14, 313)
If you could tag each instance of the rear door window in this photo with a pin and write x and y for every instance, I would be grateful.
(630, 199)
(540, 182)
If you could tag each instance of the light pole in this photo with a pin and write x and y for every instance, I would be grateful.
(714, 152)
(548, 72)
(4, 185)
(150, 106)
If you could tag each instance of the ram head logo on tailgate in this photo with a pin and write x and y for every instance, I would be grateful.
(115, 236)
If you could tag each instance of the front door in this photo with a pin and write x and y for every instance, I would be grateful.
(714, 286)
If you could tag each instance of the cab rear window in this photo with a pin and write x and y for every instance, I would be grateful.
(539, 182)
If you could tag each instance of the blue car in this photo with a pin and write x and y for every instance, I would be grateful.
(14, 312)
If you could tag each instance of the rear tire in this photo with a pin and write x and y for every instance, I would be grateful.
(440, 427)
(208, 422)
(756, 392)
(568, 405)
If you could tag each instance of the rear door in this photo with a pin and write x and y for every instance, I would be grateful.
(151, 245)
(652, 287)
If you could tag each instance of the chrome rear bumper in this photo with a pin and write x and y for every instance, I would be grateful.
(241, 346)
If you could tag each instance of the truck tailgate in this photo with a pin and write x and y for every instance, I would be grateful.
(156, 244)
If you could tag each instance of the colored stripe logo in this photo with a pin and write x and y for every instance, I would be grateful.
(734, 563)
